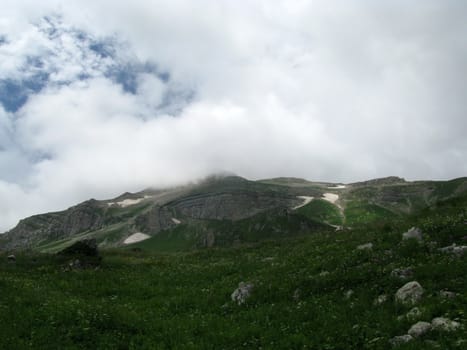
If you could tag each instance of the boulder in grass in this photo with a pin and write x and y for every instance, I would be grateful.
(366, 246)
(444, 324)
(402, 273)
(242, 293)
(83, 254)
(413, 314)
(458, 250)
(381, 299)
(419, 329)
(348, 294)
(400, 339)
(410, 293)
(413, 233)
(446, 294)
(86, 247)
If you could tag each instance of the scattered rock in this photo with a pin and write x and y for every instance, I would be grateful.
(400, 339)
(419, 329)
(242, 293)
(444, 324)
(413, 233)
(11, 258)
(84, 254)
(409, 293)
(366, 246)
(402, 274)
(413, 314)
(380, 299)
(296, 294)
(323, 273)
(445, 294)
(458, 250)
(75, 264)
(86, 247)
(348, 294)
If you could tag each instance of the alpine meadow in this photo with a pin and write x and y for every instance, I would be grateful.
(215, 174)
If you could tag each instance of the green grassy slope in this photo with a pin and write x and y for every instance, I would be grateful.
(224, 233)
(359, 204)
(146, 300)
(322, 211)
(360, 212)
(371, 203)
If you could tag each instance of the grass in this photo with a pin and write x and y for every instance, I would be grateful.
(322, 211)
(181, 300)
(359, 212)
(173, 240)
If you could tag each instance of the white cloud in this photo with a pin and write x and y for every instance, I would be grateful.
(336, 91)
(151, 90)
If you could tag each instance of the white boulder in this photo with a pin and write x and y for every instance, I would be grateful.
(242, 293)
(410, 293)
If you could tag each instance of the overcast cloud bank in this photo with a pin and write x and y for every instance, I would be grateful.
(98, 98)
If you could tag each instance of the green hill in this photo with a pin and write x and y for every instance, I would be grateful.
(227, 210)
(310, 291)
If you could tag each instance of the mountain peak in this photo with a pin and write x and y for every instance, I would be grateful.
(389, 180)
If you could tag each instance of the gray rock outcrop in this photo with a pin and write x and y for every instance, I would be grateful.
(413, 233)
(410, 293)
(366, 246)
(400, 339)
(414, 314)
(83, 254)
(381, 299)
(446, 294)
(458, 250)
(86, 216)
(402, 274)
(348, 294)
(419, 329)
(85, 247)
(444, 324)
(242, 293)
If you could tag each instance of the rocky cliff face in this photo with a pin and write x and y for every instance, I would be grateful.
(231, 198)
(213, 206)
(218, 204)
(86, 216)
(390, 180)
(230, 206)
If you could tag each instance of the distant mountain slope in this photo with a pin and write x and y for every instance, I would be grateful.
(223, 210)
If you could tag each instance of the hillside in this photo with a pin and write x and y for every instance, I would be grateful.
(327, 290)
(235, 264)
(227, 210)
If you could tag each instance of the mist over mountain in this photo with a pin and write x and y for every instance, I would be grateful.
(225, 210)
(217, 174)
(160, 94)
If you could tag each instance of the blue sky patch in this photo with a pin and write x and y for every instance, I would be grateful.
(127, 75)
(107, 58)
(15, 93)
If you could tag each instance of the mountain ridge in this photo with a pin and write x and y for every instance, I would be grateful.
(216, 208)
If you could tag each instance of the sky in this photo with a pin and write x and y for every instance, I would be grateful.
(102, 97)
